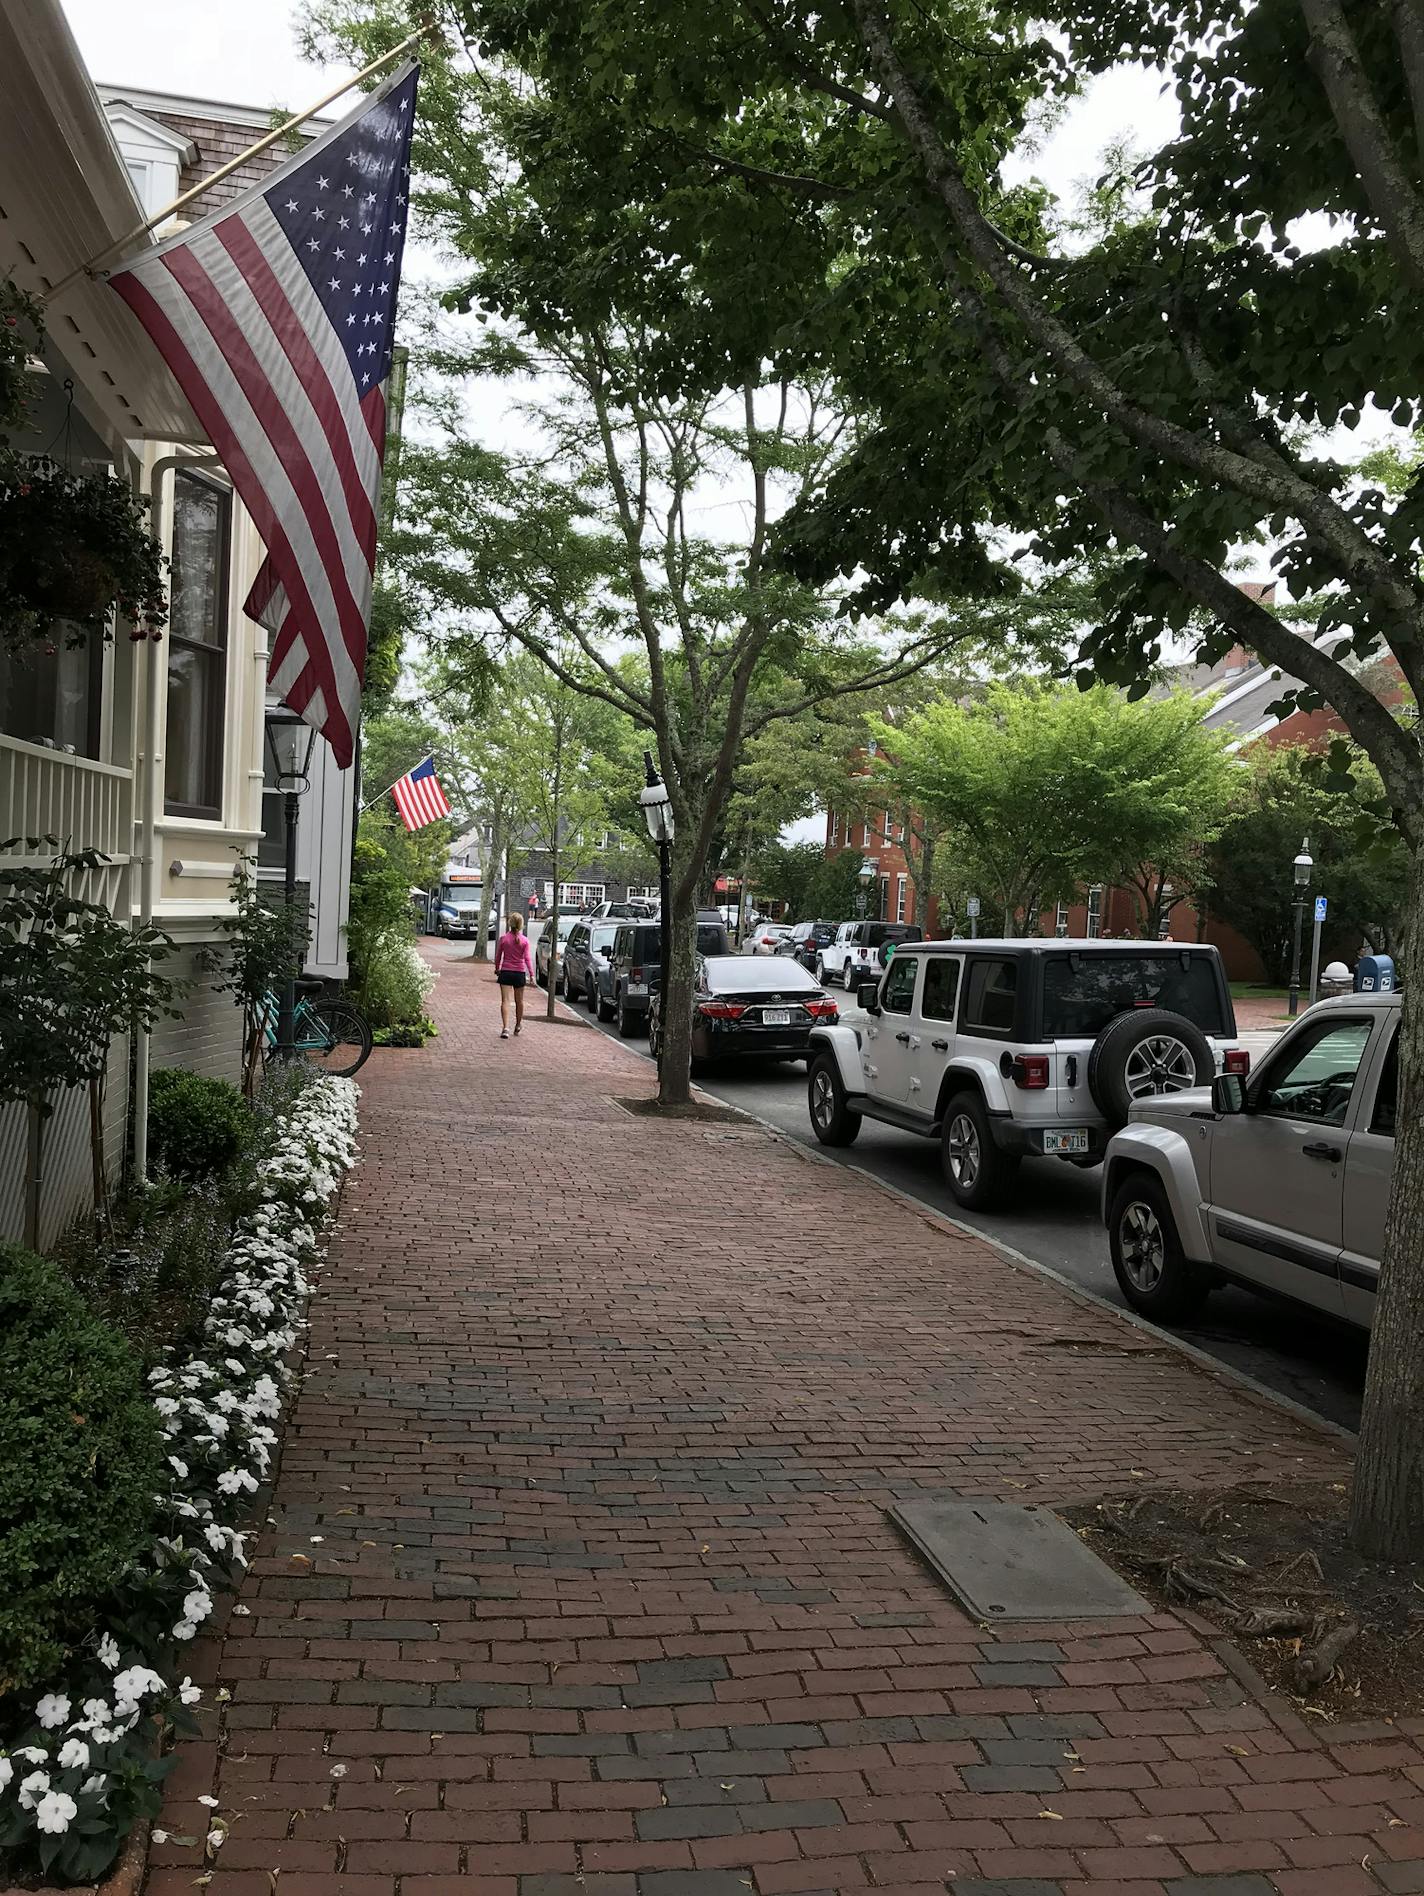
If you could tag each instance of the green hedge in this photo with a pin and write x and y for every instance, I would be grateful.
(196, 1125)
(81, 1460)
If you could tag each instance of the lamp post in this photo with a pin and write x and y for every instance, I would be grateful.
(1302, 867)
(865, 875)
(657, 814)
(289, 744)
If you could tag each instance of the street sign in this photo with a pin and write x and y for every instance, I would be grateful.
(1320, 907)
(971, 907)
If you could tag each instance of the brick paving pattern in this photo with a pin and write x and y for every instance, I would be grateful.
(578, 1580)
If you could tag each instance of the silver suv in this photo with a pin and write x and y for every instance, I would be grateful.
(1280, 1184)
(1003, 1050)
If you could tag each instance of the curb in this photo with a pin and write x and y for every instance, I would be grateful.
(1225, 1372)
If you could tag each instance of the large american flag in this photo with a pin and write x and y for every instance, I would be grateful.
(276, 316)
(419, 797)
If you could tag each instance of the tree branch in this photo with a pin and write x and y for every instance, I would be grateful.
(783, 180)
(1359, 560)
(1392, 194)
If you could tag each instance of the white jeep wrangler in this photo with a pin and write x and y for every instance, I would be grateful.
(1004, 1050)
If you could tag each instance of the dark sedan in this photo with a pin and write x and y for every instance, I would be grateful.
(745, 1005)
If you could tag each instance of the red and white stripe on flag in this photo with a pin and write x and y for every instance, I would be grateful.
(276, 316)
(419, 797)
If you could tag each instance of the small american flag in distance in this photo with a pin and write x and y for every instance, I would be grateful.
(419, 797)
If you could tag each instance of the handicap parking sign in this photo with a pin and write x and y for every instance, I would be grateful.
(1320, 906)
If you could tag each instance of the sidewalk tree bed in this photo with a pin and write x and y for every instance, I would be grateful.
(126, 1468)
(1273, 1568)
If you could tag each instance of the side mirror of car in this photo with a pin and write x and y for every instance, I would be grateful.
(866, 994)
(1228, 1093)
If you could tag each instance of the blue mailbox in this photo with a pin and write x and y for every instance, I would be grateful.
(1374, 974)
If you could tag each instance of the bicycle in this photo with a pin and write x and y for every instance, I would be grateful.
(331, 1035)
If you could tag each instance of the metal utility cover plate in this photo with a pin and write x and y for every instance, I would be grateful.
(1005, 1562)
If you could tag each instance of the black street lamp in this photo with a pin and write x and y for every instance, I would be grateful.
(1302, 866)
(657, 814)
(289, 744)
(864, 876)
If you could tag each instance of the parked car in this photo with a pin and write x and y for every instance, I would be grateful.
(750, 1007)
(1004, 1050)
(806, 941)
(861, 948)
(627, 984)
(616, 911)
(563, 928)
(1279, 1183)
(585, 952)
(766, 938)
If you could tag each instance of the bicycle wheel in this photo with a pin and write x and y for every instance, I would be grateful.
(333, 1036)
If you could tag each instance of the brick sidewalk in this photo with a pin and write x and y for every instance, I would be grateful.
(579, 1581)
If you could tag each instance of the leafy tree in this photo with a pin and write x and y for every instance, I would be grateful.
(1361, 863)
(72, 976)
(1042, 789)
(813, 885)
(821, 188)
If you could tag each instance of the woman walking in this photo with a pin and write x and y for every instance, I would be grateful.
(513, 966)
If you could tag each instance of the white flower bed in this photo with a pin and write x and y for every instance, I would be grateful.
(74, 1785)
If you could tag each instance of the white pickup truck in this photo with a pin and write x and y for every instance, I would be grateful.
(1004, 1050)
(1280, 1184)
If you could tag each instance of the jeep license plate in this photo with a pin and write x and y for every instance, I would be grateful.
(776, 1017)
(1064, 1143)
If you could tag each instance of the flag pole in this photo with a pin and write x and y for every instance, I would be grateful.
(430, 757)
(226, 171)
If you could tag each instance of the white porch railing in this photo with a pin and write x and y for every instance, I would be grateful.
(83, 804)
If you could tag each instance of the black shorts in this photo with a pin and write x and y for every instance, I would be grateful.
(511, 977)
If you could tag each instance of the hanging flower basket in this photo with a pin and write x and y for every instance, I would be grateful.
(74, 548)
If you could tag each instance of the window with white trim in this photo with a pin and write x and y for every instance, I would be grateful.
(887, 828)
(901, 897)
(197, 646)
(865, 834)
(643, 892)
(835, 827)
(586, 894)
(885, 898)
(1060, 921)
(1095, 911)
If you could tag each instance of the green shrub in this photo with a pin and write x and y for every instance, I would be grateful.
(81, 1459)
(405, 1033)
(196, 1125)
(391, 982)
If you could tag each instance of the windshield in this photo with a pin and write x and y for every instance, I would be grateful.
(752, 974)
(1082, 993)
(602, 940)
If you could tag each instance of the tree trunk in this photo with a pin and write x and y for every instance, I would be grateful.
(487, 891)
(675, 1005)
(551, 920)
(1387, 1505)
(96, 1155)
(34, 1172)
(924, 875)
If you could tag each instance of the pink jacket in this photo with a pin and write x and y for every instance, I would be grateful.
(512, 954)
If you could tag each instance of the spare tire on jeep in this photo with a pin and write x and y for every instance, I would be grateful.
(1145, 1052)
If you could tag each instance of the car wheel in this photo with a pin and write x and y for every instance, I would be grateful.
(627, 1023)
(605, 1006)
(832, 1120)
(975, 1170)
(1144, 1054)
(848, 978)
(1153, 1273)
(820, 971)
(590, 994)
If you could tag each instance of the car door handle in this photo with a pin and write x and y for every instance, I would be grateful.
(940, 1046)
(904, 1039)
(1319, 1149)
